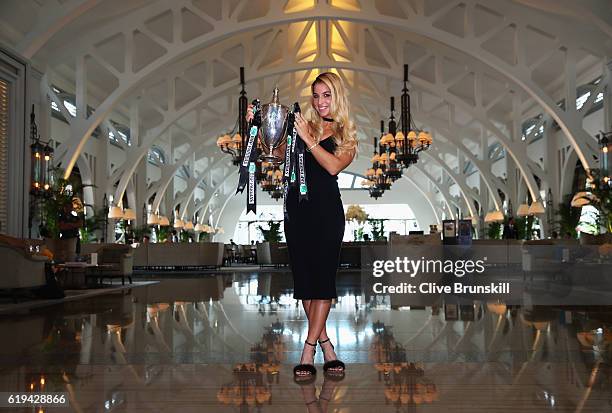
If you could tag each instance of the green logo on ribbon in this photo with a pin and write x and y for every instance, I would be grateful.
(302, 189)
(252, 167)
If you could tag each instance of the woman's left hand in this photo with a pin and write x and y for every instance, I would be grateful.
(303, 129)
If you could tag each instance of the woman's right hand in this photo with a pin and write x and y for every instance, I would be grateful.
(249, 115)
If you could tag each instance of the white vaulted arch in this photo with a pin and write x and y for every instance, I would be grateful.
(413, 20)
(518, 155)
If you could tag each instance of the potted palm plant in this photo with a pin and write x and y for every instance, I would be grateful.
(598, 194)
(62, 216)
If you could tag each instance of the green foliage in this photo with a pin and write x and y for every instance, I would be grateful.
(184, 236)
(92, 224)
(494, 230)
(141, 231)
(603, 200)
(273, 233)
(524, 226)
(204, 237)
(378, 229)
(358, 234)
(569, 217)
(162, 234)
(58, 202)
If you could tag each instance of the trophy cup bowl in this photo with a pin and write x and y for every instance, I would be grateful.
(273, 130)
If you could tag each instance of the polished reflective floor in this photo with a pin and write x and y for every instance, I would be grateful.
(228, 343)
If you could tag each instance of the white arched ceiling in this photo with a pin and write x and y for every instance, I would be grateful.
(469, 37)
(514, 148)
(168, 173)
(55, 16)
(463, 30)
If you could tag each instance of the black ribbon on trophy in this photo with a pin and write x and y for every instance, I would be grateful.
(248, 166)
(274, 124)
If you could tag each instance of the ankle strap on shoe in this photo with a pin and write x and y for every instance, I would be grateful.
(324, 341)
(310, 344)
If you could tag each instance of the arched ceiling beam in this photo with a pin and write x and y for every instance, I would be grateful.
(414, 21)
(54, 17)
(458, 179)
(170, 116)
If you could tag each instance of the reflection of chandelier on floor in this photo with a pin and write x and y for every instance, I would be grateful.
(405, 382)
(252, 382)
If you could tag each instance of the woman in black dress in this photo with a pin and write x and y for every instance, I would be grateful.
(315, 227)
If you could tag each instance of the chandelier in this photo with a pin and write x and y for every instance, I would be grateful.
(387, 144)
(233, 143)
(41, 163)
(377, 181)
(410, 140)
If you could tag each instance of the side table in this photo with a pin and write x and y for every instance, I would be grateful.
(76, 275)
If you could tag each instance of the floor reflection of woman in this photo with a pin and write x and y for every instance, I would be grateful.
(315, 227)
(320, 404)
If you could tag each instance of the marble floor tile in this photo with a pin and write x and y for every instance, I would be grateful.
(228, 343)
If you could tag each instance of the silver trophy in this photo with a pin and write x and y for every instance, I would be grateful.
(273, 130)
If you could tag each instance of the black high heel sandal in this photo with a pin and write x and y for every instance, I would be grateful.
(332, 364)
(309, 369)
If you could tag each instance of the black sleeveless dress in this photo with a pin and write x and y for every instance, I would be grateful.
(314, 229)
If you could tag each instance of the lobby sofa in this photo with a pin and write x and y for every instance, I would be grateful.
(21, 269)
(178, 255)
(351, 253)
(499, 252)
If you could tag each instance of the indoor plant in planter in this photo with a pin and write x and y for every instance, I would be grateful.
(598, 194)
(273, 233)
(62, 215)
(357, 214)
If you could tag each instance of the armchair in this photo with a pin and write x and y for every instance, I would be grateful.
(22, 269)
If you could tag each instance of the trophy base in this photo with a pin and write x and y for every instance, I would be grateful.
(271, 159)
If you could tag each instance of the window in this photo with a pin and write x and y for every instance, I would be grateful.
(529, 127)
(124, 134)
(347, 180)
(70, 107)
(156, 156)
(183, 172)
(583, 93)
(68, 99)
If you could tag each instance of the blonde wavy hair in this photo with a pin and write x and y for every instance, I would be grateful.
(344, 131)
